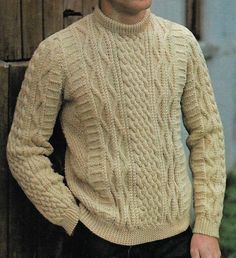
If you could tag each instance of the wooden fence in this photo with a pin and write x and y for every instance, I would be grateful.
(24, 232)
(24, 23)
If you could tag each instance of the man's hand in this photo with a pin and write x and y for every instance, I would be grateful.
(204, 246)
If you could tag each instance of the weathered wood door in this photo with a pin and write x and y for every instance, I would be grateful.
(24, 232)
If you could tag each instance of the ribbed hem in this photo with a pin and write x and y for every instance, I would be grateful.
(71, 219)
(204, 226)
(119, 27)
(124, 236)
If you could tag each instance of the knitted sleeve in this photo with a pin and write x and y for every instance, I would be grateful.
(28, 147)
(205, 141)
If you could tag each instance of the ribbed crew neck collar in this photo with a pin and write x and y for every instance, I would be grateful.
(119, 27)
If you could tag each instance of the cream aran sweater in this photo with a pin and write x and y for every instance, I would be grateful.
(122, 91)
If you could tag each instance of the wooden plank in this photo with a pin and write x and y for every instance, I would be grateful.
(50, 239)
(32, 26)
(4, 71)
(88, 6)
(10, 30)
(23, 231)
(76, 8)
(189, 13)
(193, 17)
(53, 16)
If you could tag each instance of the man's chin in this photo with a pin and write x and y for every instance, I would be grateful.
(135, 10)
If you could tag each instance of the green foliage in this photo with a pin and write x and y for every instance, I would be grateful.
(228, 226)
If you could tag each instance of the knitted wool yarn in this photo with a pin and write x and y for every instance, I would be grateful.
(123, 90)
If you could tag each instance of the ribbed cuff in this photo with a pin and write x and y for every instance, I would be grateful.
(207, 227)
(71, 219)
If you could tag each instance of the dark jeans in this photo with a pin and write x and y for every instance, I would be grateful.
(85, 244)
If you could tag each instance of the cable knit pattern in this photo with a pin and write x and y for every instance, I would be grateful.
(28, 147)
(205, 141)
(122, 90)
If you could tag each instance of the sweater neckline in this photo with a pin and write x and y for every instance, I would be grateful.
(118, 27)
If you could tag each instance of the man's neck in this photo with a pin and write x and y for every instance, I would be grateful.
(120, 16)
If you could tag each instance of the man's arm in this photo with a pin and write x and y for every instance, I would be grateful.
(28, 148)
(205, 142)
(207, 152)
